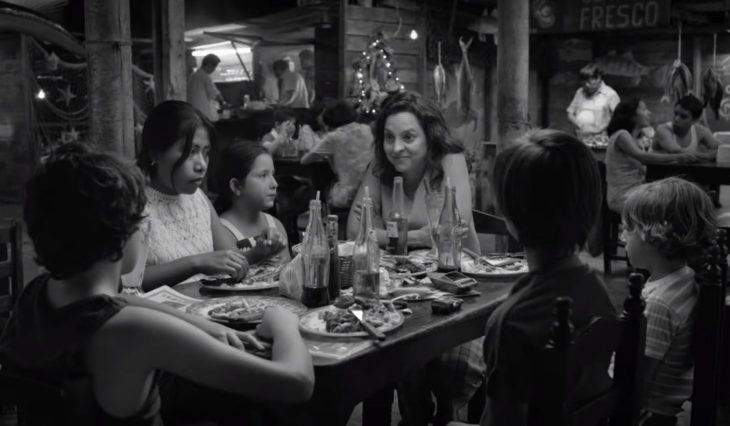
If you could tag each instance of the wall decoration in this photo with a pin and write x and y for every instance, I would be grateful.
(376, 75)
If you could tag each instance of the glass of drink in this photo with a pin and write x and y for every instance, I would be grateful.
(434, 205)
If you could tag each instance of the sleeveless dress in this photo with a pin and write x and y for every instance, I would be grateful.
(49, 343)
(179, 226)
(623, 173)
(246, 243)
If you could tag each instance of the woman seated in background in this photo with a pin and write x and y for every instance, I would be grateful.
(348, 146)
(624, 157)
(412, 141)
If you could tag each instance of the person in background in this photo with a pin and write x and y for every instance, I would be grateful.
(592, 106)
(667, 225)
(186, 240)
(292, 87)
(245, 176)
(201, 90)
(306, 59)
(625, 157)
(280, 136)
(348, 146)
(684, 134)
(553, 173)
(134, 356)
(412, 140)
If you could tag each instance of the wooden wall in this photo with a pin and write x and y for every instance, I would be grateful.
(361, 23)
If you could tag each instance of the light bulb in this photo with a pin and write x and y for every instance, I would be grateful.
(414, 34)
(41, 94)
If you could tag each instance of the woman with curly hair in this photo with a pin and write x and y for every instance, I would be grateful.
(413, 141)
(666, 224)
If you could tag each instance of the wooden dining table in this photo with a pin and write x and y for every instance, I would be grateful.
(370, 375)
(703, 172)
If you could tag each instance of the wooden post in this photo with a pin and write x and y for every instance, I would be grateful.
(109, 73)
(512, 68)
(168, 36)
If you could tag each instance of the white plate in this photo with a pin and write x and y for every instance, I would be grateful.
(469, 267)
(254, 305)
(312, 324)
(243, 286)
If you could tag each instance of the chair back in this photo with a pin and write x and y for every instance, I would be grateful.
(570, 354)
(11, 265)
(485, 223)
(709, 333)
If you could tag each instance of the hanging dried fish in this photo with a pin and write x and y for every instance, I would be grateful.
(465, 83)
(712, 91)
(677, 82)
(439, 80)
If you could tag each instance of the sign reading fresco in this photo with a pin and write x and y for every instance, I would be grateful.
(599, 15)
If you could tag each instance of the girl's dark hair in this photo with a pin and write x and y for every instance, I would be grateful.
(549, 187)
(166, 124)
(235, 162)
(81, 207)
(432, 121)
(339, 114)
(624, 116)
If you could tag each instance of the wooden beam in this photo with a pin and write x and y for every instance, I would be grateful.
(109, 74)
(168, 35)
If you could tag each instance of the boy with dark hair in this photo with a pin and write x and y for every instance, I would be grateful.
(548, 188)
(279, 139)
(684, 133)
(592, 106)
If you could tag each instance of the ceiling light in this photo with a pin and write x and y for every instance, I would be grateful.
(414, 34)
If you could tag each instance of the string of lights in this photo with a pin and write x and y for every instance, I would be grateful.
(367, 89)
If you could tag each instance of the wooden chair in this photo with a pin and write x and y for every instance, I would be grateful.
(568, 353)
(708, 333)
(11, 265)
(610, 222)
(486, 223)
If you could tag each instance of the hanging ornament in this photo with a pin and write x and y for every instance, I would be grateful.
(376, 75)
(66, 96)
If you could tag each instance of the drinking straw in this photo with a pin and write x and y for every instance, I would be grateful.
(317, 198)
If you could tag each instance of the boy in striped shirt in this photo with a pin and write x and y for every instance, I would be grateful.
(666, 223)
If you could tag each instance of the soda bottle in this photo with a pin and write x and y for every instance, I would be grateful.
(366, 255)
(449, 242)
(315, 260)
(334, 279)
(396, 227)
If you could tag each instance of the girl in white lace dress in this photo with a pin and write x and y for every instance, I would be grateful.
(186, 240)
(247, 187)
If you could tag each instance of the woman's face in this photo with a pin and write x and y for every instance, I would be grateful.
(189, 176)
(405, 142)
(643, 116)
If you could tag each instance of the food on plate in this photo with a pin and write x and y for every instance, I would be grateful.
(493, 265)
(236, 312)
(344, 302)
(375, 313)
(406, 265)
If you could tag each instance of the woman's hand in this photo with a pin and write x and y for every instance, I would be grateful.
(420, 237)
(685, 157)
(277, 320)
(230, 262)
(234, 338)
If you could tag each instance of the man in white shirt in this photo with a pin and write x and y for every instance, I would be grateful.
(201, 90)
(592, 107)
(292, 87)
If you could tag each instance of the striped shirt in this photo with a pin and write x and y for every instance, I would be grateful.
(670, 303)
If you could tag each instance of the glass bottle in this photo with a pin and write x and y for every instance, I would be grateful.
(315, 260)
(449, 241)
(334, 279)
(396, 227)
(366, 255)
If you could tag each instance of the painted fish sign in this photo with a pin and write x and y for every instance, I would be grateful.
(608, 15)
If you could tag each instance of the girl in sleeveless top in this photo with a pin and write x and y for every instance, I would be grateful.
(245, 177)
(83, 212)
(186, 240)
(624, 158)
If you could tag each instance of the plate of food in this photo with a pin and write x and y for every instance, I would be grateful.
(493, 266)
(331, 321)
(408, 266)
(242, 310)
(232, 285)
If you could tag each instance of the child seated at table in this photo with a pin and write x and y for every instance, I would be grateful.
(83, 211)
(666, 225)
(247, 187)
(549, 189)
(279, 139)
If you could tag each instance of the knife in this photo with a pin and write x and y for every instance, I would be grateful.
(358, 313)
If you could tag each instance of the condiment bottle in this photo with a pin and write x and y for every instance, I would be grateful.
(396, 227)
(315, 260)
(366, 255)
(449, 244)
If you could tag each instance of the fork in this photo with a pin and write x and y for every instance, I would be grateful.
(358, 313)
